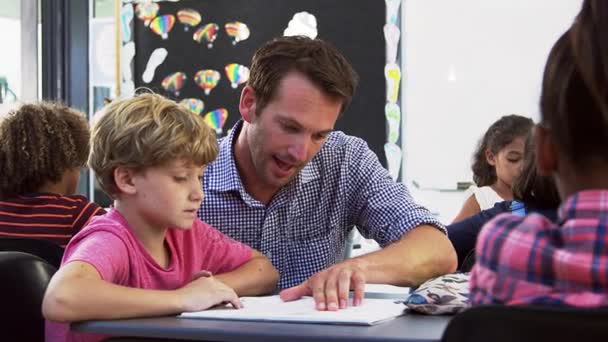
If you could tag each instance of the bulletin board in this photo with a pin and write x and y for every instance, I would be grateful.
(356, 28)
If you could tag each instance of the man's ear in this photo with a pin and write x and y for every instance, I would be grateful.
(490, 157)
(247, 104)
(123, 177)
(546, 151)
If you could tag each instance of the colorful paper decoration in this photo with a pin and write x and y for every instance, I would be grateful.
(391, 35)
(189, 17)
(393, 157)
(392, 72)
(237, 74)
(126, 16)
(207, 33)
(195, 105)
(146, 11)
(393, 116)
(174, 82)
(216, 119)
(207, 79)
(237, 31)
(162, 25)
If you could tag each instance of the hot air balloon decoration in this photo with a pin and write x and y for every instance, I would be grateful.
(237, 74)
(216, 119)
(174, 82)
(188, 17)
(207, 79)
(207, 33)
(196, 106)
(162, 25)
(237, 31)
(146, 11)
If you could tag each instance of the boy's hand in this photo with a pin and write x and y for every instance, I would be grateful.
(206, 291)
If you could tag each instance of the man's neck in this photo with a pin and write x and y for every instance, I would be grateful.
(256, 188)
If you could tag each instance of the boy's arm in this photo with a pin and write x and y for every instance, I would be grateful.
(255, 277)
(77, 292)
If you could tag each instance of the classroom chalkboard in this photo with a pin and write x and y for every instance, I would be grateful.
(354, 27)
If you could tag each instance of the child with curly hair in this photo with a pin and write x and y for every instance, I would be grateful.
(43, 146)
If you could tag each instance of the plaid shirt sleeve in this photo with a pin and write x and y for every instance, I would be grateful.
(531, 260)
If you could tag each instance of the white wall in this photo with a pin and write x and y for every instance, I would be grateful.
(466, 63)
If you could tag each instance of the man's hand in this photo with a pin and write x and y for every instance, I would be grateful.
(330, 287)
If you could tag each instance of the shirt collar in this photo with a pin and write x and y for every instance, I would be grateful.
(228, 179)
(584, 204)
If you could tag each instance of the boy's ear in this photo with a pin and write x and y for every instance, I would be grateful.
(490, 157)
(546, 151)
(247, 104)
(123, 177)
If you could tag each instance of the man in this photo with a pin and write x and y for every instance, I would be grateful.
(287, 185)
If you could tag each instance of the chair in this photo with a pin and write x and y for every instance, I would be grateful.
(498, 323)
(24, 278)
(44, 249)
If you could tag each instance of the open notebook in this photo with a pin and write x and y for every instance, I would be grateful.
(272, 308)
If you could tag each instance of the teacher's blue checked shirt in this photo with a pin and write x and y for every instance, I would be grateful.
(305, 227)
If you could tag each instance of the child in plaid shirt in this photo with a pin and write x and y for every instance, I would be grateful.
(531, 260)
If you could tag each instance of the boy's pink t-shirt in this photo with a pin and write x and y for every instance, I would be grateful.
(109, 245)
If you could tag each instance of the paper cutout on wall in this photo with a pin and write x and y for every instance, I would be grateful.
(127, 52)
(237, 31)
(393, 117)
(302, 24)
(146, 11)
(174, 82)
(126, 17)
(392, 11)
(392, 72)
(188, 17)
(127, 88)
(393, 158)
(216, 119)
(207, 79)
(237, 74)
(157, 57)
(207, 33)
(195, 105)
(162, 25)
(391, 35)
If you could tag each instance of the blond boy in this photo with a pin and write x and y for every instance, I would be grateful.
(150, 255)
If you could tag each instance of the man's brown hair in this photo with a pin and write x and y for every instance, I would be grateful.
(318, 60)
(38, 143)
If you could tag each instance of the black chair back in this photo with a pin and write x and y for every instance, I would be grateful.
(498, 323)
(23, 281)
(44, 249)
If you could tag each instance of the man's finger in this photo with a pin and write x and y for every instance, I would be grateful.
(358, 284)
(331, 290)
(343, 288)
(318, 293)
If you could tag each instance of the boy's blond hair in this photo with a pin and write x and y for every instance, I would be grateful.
(147, 130)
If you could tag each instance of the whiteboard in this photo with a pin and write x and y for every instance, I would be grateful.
(466, 63)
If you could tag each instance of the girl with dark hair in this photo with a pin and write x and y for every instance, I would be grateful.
(496, 162)
(532, 193)
(532, 260)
